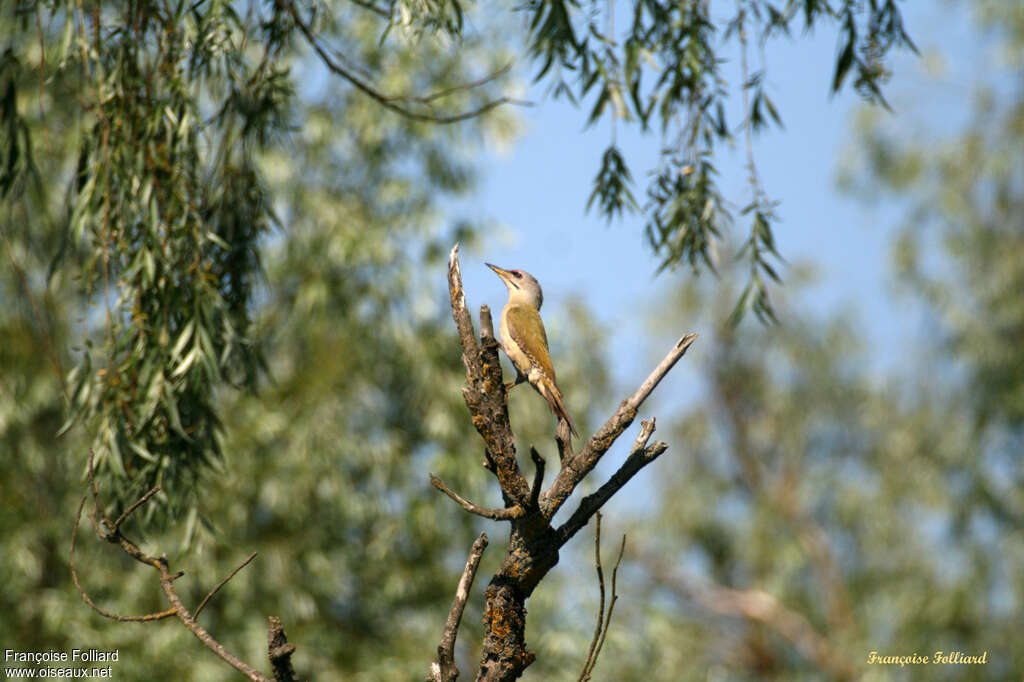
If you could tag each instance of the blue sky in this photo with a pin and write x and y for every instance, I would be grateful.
(538, 190)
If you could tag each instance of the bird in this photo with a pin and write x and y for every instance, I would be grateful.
(524, 340)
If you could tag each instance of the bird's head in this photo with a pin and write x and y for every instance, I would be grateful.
(522, 286)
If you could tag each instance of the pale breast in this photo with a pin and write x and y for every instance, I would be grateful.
(512, 349)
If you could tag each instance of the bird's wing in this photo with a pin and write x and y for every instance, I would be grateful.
(524, 323)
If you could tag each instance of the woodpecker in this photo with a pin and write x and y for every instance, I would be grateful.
(525, 341)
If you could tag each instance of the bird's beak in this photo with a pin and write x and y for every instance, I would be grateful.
(504, 274)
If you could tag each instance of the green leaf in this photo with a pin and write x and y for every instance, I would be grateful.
(183, 338)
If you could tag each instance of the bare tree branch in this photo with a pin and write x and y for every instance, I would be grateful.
(611, 606)
(639, 456)
(387, 101)
(585, 672)
(167, 583)
(222, 583)
(280, 651)
(486, 512)
(463, 320)
(579, 466)
(444, 670)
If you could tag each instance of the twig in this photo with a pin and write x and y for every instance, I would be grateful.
(603, 619)
(650, 383)
(585, 672)
(506, 514)
(611, 605)
(444, 670)
(222, 583)
(387, 101)
(138, 503)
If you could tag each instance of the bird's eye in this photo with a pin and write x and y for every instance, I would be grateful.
(518, 275)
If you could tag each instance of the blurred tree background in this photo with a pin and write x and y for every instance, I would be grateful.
(824, 510)
(235, 275)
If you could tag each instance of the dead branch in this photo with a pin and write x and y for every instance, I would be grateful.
(280, 652)
(484, 393)
(444, 670)
(639, 456)
(585, 672)
(534, 544)
(487, 513)
(611, 606)
(463, 320)
(167, 583)
(579, 466)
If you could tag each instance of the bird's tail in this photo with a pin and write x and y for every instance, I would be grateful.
(557, 405)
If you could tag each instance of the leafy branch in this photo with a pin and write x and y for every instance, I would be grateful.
(760, 245)
(663, 70)
(391, 102)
